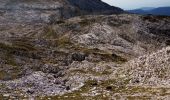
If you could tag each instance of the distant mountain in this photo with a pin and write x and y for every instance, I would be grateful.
(147, 8)
(137, 11)
(161, 11)
(153, 11)
(94, 7)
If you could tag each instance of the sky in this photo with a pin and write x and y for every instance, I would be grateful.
(133, 4)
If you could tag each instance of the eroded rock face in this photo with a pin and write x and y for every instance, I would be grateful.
(52, 10)
(31, 11)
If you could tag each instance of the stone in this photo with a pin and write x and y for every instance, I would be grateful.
(6, 95)
(109, 88)
(30, 91)
(78, 57)
(67, 88)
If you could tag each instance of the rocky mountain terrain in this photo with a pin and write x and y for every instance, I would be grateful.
(61, 50)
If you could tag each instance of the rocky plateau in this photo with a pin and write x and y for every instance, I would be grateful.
(82, 49)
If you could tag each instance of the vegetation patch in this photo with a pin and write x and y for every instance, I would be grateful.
(17, 48)
(50, 32)
(105, 56)
(63, 42)
(86, 22)
(17, 45)
(127, 38)
(90, 71)
(11, 72)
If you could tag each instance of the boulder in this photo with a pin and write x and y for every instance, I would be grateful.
(78, 56)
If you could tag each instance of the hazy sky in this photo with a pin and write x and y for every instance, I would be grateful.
(132, 4)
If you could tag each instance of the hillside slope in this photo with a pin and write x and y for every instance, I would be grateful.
(95, 7)
(80, 53)
(151, 69)
(46, 53)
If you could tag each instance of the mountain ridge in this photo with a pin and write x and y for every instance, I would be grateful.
(154, 11)
(95, 6)
(42, 10)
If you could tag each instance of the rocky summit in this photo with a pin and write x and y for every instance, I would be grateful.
(82, 49)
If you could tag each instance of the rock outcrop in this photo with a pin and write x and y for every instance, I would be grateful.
(151, 69)
(52, 10)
